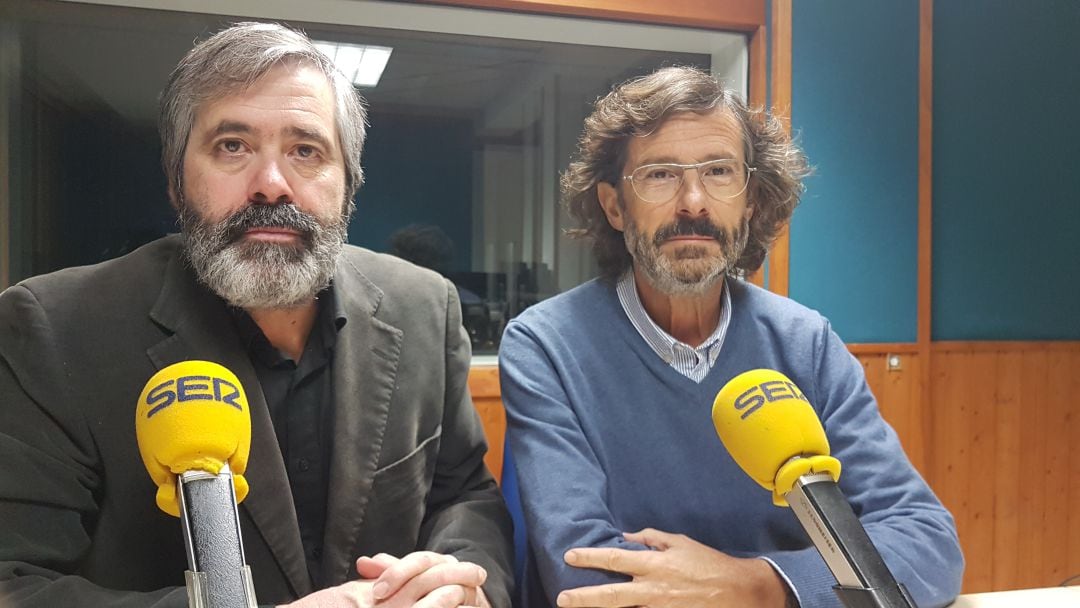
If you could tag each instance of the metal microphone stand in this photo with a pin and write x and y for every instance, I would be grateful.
(218, 575)
(864, 581)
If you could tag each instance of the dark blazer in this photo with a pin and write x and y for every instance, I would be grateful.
(78, 523)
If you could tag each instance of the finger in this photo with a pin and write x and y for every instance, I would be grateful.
(385, 558)
(400, 573)
(374, 566)
(450, 596)
(463, 574)
(615, 595)
(350, 594)
(657, 539)
(633, 563)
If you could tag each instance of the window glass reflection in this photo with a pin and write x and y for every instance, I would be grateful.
(468, 136)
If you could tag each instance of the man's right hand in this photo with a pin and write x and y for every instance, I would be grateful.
(679, 573)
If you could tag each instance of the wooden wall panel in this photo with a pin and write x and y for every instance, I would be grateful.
(949, 470)
(903, 404)
(1006, 470)
(924, 311)
(740, 15)
(1005, 423)
(1073, 439)
(1062, 399)
(780, 252)
(484, 388)
(996, 443)
(978, 420)
(897, 394)
(1031, 506)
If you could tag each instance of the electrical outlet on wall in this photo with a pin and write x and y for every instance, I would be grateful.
(893, 362)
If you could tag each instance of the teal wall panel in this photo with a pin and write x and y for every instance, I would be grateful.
(1006, 170)
(854, 238)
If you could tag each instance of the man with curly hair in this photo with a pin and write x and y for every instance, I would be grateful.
(608, 387)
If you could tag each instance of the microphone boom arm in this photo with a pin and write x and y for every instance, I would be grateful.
(218, 575)
(864, 581)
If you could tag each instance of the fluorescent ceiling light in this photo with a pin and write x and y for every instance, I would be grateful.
(360, 63)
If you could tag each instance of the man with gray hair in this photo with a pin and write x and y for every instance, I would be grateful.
(609, 387)
(366, 470)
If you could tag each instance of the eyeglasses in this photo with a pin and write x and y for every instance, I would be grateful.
(722, 179)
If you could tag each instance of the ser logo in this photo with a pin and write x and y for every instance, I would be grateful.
(758, 395)
(192, 388)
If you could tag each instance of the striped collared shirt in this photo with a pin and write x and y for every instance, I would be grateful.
(694, 363)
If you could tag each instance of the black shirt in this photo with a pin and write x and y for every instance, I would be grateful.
(300, 397)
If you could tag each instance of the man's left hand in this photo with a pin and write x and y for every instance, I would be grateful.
(425, 580)
(681, 572)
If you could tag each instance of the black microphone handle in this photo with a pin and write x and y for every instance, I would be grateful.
(218, 576)
(864, 581)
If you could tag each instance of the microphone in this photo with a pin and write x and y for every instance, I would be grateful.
(193, 427)
(771, 431)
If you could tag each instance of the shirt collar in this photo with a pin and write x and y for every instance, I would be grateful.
(332, 304)
(328, 322)
(661, 342)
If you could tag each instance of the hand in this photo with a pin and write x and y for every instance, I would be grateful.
(353, 594)
(681, 572)
(423, 579)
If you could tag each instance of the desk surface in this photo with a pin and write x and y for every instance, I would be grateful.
(1052, 597)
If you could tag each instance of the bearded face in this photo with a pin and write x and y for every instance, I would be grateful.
(262, 192)
(682, 201)
(685, 269)
(263, 274)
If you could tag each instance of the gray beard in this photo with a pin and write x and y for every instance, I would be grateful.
(256, 275)
(677, 276)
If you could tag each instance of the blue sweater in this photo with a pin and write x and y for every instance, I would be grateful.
(608, 438)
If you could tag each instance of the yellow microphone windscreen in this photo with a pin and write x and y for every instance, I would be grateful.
(764, 421)
(192, 415)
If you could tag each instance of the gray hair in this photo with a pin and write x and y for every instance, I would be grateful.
(637, 108)
(231, 61)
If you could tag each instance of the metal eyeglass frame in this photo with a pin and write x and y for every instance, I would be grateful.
(695, 167)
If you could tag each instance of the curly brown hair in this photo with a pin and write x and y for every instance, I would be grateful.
(637, 108)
